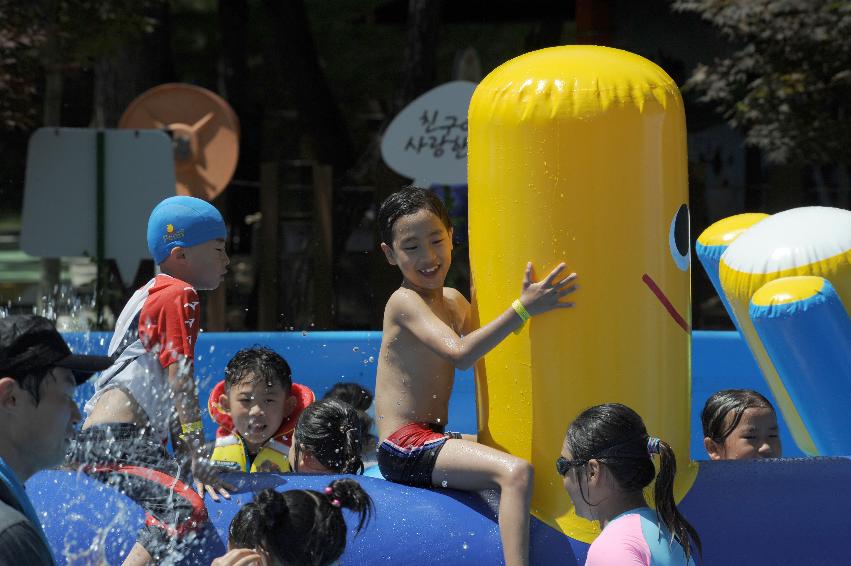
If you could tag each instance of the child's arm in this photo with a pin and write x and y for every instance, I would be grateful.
(537, 298)
(181, 379)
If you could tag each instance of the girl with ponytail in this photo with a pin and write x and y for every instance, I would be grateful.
(328, 439)
(300, 527)
(606, 462)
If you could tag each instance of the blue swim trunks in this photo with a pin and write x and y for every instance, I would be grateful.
(408, 455)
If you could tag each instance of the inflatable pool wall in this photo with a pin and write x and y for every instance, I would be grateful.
(578, 154)
(730, 502)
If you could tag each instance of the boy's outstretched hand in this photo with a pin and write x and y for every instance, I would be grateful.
(207, 479)
(542, 296)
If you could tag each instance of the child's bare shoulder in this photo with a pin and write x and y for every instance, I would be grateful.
(403, 301)
(454, 295)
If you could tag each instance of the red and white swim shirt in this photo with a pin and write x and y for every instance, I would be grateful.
(158, 327)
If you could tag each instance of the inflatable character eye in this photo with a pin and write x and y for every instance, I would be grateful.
(678, 238)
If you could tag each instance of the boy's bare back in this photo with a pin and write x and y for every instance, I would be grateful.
(413, 378)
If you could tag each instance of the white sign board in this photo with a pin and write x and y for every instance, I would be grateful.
(60, 195)
(427, 141)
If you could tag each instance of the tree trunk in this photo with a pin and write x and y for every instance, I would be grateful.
(418, 76)
(132, 69)
(420, 70)
(302, 73)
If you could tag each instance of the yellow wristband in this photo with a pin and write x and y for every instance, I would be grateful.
(521, 312)
(191, 427)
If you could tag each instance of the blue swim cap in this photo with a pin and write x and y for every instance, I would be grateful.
(182, 221)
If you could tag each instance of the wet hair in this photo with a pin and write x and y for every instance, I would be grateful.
(408, 200)
(259, 363)
(331, 431)
(726, 402)
(31, 382)
(614, 435)
(361, 399)
(300, 527)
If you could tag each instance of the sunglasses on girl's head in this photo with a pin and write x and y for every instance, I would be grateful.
(563, 465)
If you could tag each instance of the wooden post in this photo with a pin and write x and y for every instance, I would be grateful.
(268, 274)
(323, 296)
(215, 305)
(593, 22)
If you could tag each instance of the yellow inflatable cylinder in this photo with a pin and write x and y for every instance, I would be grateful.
(578, 154)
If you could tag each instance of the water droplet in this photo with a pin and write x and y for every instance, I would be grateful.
(355, 349)
(464, 546)
(438, 420)
(444, 483)
(371, 359)
(304, 332)
(434, 396)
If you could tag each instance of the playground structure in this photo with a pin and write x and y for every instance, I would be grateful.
(577, 154)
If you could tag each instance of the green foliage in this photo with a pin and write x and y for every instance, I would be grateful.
(36, 35)
(787, 82)
(91, 28)
(20, 38)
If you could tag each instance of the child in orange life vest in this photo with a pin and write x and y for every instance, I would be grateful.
(256, 406)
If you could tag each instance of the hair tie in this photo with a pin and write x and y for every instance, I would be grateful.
(653, 445)
(329, 492)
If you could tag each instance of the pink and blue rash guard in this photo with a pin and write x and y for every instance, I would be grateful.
(636, 538)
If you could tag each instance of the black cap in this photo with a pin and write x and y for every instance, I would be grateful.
(31, 344)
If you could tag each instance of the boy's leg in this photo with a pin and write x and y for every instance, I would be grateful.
(470, 466)
(137, 556)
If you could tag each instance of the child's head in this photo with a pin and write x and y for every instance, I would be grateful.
(300, 527)
(607, 454)
(354, 394)
(361, 400)
(186, 237)
(257, 395)
(740, 424)
(328, 439)
(416, 235)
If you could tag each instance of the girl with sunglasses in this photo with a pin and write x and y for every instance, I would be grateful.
(606, 462)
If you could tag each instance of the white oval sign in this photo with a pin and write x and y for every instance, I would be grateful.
(427, 141)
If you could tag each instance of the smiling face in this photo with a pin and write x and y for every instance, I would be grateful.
(206, 264)
(680, 249)
(756, 436)
(257, 409)
(422, 249)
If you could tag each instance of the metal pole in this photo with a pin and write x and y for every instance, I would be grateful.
(100, 138)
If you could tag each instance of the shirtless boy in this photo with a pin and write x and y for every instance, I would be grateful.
(427, 334)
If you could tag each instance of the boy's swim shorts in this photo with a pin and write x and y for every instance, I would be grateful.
(408, 455)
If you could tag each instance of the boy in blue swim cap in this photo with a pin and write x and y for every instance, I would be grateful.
(151, 380)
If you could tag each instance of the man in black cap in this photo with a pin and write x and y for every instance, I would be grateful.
(38, 374)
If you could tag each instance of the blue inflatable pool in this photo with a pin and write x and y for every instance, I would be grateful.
(790, 511)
